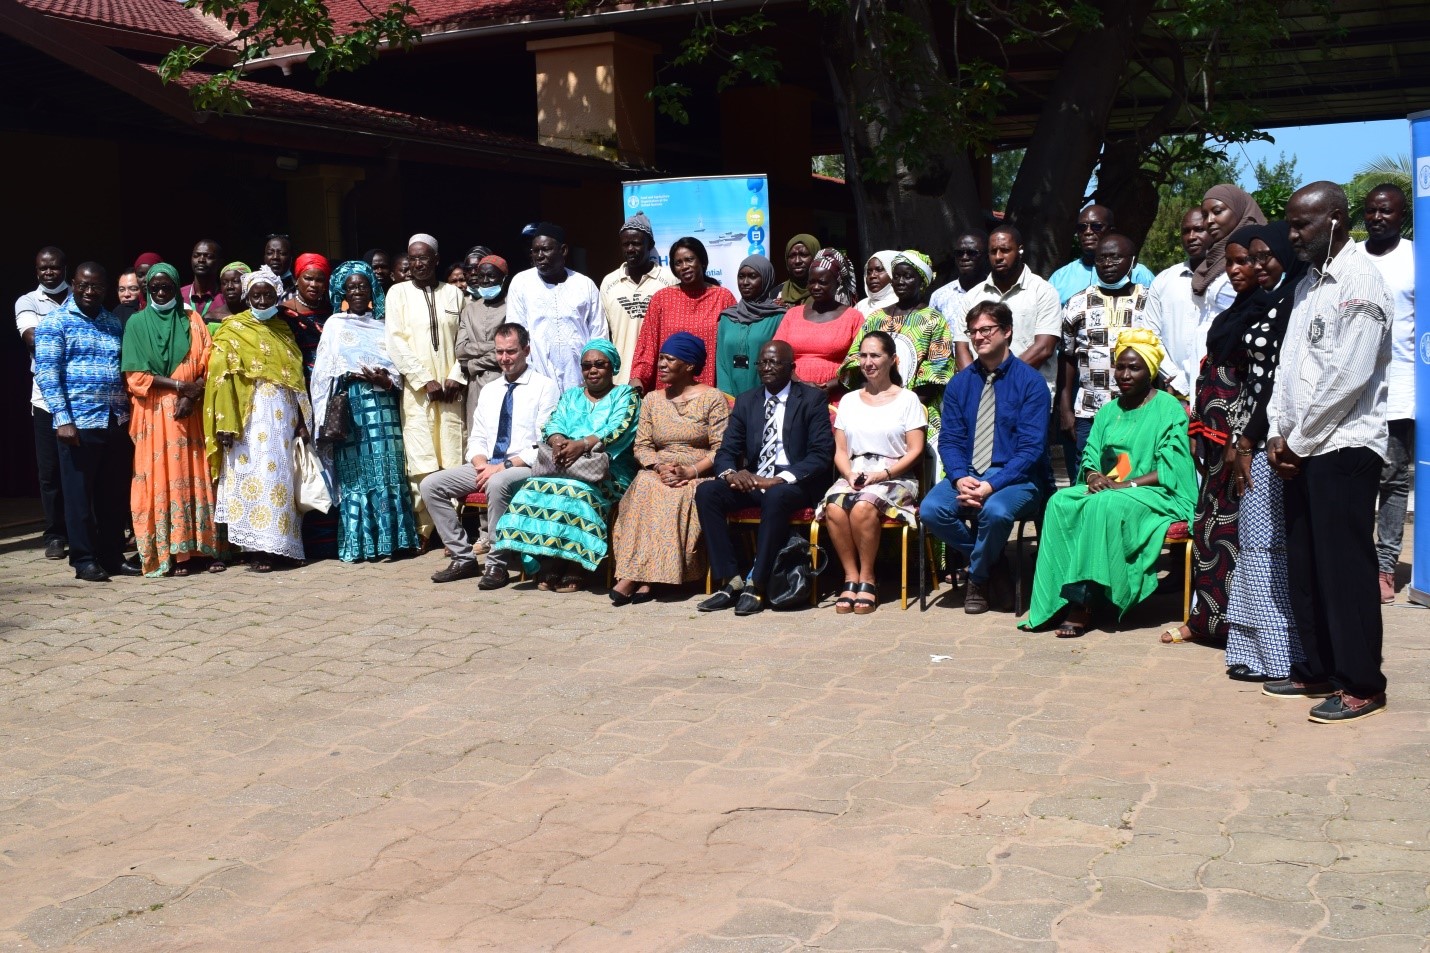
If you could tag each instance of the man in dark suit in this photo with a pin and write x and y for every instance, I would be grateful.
(776, 455)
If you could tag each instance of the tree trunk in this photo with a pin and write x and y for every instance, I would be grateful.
(915, 208)
(1063, 151)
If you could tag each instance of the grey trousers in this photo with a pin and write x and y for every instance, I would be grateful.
(1394, 493)
(443, 490)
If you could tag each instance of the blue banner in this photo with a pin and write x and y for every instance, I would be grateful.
(730, 214)
(1420, 571)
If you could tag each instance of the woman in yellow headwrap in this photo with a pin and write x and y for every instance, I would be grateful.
(1100, 538)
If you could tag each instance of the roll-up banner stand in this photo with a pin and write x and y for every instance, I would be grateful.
(1420, 571)
(730, 214)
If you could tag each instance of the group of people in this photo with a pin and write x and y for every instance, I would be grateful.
(296, 410)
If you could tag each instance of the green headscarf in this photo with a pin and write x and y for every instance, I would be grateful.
(156, 341)
(791, 293)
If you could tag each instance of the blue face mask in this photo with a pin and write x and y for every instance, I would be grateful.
(488, 292)
(1123, 283)
(263, 314)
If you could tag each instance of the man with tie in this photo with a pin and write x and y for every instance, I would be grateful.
(776, 456)
(993, 445)
(506, 429)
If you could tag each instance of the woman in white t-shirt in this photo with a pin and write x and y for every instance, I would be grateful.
(878, 450)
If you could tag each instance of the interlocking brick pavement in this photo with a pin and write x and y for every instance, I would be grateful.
(350, 758)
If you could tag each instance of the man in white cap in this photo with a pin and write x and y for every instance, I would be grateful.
(560, 307)
(626, 292)
(422, 320)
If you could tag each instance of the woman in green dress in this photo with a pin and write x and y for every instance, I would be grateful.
(747, 327)
(920, 334)
(1101, 538)
(564, 519)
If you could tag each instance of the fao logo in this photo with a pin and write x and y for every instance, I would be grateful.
(634, 201)
(1425, 348)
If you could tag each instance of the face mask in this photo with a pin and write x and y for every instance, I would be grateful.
(488, 292)
(1116, 285)
(263, 314)
(62, 286)
(163, 308)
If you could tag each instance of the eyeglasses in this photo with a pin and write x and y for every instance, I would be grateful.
(982, 331)
(595, 365)
(1110, 259)
(88, 286)
(1260, 258)
(1090, 227)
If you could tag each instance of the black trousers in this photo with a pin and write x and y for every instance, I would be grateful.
(715, 500)
(1331, 559)
(96, 477)
(47, 461)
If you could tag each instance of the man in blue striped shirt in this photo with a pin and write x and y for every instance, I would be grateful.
(77, 367)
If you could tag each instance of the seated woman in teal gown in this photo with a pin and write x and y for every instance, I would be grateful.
(1100, 539)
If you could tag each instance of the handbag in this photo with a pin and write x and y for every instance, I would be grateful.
(590, 467)
(337, 420)
(792, 577)
(310, 486)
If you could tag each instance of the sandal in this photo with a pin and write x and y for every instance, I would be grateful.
(1245, 673)
(1174, 636)
(547, 582)
(260, 565)
(866, 606)
(568, 584)
(845, 604)
(1070, 630)
(218, 565)
(182, 569)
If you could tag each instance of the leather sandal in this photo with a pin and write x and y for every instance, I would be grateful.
(866, 606)
(845, 604)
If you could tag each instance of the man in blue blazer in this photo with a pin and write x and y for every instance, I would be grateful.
(777, 455)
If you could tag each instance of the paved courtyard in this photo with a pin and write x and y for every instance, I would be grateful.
(349, 758)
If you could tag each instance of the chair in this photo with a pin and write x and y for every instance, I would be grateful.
(1036, 518)
(479, 501)
(926, 560)
(1181, 533)
(751, 516)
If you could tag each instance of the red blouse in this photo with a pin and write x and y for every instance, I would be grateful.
(673, 309)
(819, 349)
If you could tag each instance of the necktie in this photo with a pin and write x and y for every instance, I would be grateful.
(503, 426)
(983, 430)
(769, 440)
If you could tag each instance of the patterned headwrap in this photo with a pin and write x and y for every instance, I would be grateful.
(497, 262)
(263, 276)
(919, 262)
(835, 261)
(1147, 345)
(237, 266)
(604, 346)
(311, 259)
(338, 286)
(425, 239)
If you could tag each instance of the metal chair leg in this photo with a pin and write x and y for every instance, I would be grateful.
(904, 574)
(813, 563)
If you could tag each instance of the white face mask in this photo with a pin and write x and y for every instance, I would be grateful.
(62, 286)
(263, 314)
(488, 292)
(1123, 282)
(163, 308)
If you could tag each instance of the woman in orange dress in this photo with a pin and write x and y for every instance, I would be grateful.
(165, 361)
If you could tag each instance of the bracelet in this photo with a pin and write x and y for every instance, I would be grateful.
(1244, 453)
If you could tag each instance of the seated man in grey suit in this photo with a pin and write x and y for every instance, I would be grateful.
(777, 455)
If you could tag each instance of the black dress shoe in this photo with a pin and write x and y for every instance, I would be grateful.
(55, 549)
(724, 598)
(750, 602)
(456, 570)
(126, 568)
(494, 576)
(91, 572)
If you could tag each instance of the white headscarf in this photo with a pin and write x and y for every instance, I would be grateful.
(349, 343)
(885, 296)
(263, 276)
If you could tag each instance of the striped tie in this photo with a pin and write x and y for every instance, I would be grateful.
(983, 430)
(769, 440)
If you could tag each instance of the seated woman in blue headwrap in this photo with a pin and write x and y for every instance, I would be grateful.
(557, 513)
(656, 538)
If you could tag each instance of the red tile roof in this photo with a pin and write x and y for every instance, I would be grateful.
(164, 18)
(446, 13)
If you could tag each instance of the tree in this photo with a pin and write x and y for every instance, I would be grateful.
(1182, 188)
(1005, 170)
(1275, 184)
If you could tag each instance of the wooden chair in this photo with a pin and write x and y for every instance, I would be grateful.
(1180, 533)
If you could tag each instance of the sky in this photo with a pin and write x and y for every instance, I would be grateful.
(1335, 152)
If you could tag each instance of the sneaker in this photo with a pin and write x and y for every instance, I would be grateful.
(455, 570)
(1286, 688)
(494, 576)
(55, 549)
(975, 599)
(1343, 707)
(1387, 588)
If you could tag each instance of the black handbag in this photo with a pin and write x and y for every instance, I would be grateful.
(794, 572)
(337, 422)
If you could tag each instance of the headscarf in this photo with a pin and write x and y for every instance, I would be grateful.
(149, 259)
(156, 342)
(834, 260)
(750, 310)
(424, 239)
(263, 276)
(1227, 329)
(1247, 213)
(792, 293)
(885, 296)
(311, 259)
(337, 287)
(640, 223)
(237, 266)
(604, 346)
(684, 346)
(919, 262)
(497, 262)
(1147, 345)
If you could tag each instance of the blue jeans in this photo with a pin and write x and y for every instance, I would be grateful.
(1083, 428)
(979, 534)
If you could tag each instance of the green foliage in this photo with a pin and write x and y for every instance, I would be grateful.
(1187, 167)
(728, 44)
(1005, 170)
(1275, 184)
(262, 27)
(832, 166)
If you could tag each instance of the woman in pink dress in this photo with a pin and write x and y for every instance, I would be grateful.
(821, 330)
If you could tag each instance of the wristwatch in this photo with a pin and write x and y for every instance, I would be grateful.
(506, 464)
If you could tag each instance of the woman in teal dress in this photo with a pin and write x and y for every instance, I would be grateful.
(564, 519)
(1100, 539)
(747, 327)
(368, 466)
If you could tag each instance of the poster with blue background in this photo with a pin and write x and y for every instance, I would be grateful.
(1420, 571)
(730, 214)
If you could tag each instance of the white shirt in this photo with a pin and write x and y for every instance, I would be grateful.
(30, 307)
(1330, 388)
(561, 318)
(953, 301)
(625, 303)
(1397, 267)
(532, 402)
(874, 435)
(1181, 318)
(781, 458)
(1036, 310)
